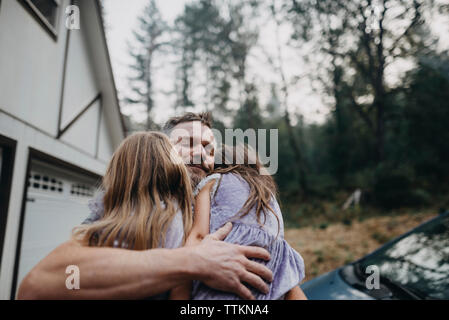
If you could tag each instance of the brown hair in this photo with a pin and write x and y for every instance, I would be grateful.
(204, 117)
(145, 186)
(245, 162)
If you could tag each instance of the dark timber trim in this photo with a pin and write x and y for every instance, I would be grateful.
(64, 70)
(6, 173)
(63, 130)
(19, 233)
(50, 135)
(108, 57)
(100, 113)
(51, 30)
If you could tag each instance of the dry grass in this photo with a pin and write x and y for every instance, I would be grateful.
(326, 249)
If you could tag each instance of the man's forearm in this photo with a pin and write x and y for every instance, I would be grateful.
(107, 273)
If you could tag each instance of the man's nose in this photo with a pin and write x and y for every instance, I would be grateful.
(197, 155)
(207, 160)
(200, 156)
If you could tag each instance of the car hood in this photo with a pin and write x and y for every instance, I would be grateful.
(331, 286)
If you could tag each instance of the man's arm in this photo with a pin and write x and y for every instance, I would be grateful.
(110, 273)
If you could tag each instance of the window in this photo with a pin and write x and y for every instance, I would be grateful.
(46, 11)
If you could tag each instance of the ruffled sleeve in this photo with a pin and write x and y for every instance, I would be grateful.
(214, 176)
(96, 208)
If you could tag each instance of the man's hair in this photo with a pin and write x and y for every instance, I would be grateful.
(204, 117)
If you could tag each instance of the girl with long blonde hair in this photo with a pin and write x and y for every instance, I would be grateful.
(147, 197)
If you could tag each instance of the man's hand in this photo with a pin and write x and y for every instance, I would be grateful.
(114, 273)
(225, 266)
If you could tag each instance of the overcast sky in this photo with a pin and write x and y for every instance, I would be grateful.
(121, 19)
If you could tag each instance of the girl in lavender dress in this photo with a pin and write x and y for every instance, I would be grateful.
(241, 191)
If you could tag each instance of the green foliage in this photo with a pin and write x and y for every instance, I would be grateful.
(248, 116)
(391, 141)
(392, 186)
(323, 225)
(427, 117)
(211, 42)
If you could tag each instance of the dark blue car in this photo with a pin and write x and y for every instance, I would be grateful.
(412, 266)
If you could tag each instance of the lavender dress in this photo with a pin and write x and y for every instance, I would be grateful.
(228, 196)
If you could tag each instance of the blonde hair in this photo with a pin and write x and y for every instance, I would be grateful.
(145, 186)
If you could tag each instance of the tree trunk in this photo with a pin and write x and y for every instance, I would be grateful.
(380, 130)
(341, 169)
(149, 91)
(298, 156)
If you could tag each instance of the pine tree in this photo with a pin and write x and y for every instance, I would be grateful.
(150, 39)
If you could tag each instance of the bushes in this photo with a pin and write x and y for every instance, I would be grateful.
(394, 187)
(339, 154)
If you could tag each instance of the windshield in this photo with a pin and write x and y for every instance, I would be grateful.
(419, 262)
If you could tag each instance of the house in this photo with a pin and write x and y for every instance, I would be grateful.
(59, 125)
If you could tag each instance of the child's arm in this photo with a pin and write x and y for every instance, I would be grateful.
(200, 227)
(295, 294)
(199, 230)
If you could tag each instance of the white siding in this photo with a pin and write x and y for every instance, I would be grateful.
(30, 67)
(105, 148)
(31, 70)
(29, 137)
(80, 84)
(83, 133)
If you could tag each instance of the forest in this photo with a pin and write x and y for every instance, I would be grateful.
(378, 67)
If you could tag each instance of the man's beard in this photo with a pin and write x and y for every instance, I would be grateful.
(196, 175)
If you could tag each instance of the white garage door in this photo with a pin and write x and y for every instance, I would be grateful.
(56, 203)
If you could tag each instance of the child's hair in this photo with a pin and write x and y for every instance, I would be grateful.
(243, 161)
(145, 185)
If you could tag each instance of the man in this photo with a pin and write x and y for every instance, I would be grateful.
(113, 273)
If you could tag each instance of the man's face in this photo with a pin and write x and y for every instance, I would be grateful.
(195, 144)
